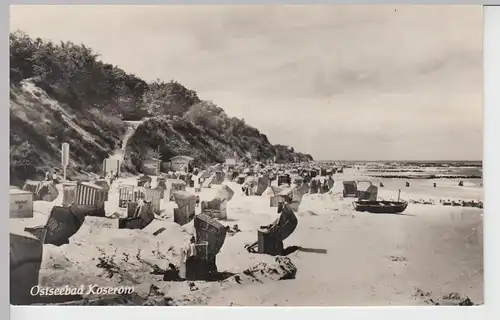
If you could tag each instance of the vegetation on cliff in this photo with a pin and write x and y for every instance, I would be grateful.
(65, 93)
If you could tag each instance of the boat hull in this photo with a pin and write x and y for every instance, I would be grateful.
(380, 206)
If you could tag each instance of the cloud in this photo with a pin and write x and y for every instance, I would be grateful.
(374, 75)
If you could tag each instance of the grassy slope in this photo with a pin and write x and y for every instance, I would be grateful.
(180, 136)
(39, 125)
(64, 93)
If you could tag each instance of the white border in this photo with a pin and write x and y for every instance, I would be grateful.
(491, 225)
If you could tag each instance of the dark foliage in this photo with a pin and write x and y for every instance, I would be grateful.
(81, 100)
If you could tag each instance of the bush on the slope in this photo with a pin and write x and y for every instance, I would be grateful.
(206, 134)
(84, 100)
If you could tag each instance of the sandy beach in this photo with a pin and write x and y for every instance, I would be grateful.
(293, 100)
(412, 258)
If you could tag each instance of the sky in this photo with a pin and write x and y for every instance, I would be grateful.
(339, 82)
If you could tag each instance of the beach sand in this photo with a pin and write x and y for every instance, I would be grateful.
(370, 259)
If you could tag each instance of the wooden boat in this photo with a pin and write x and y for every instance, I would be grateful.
(380, 206)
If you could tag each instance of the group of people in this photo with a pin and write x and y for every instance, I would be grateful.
(321, 186)
(111, 177)
(51, 177)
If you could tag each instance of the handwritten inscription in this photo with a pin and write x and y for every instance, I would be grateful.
(79, 290)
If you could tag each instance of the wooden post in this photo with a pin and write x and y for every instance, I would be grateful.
(64, 158)
(158, 165)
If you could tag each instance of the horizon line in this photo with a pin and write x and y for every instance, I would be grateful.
(359, 160)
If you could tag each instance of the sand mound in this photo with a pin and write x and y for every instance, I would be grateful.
(118, 270)
(451, 299)
(280, 268)
(122, 257)
(109, 257)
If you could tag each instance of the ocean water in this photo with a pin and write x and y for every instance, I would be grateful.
(448, 168)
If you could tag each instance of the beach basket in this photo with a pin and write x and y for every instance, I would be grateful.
(215, 209)
(31, 186)
(153, 196)
(89, 194)
(282, 179)
(125, 195)
(105, 186)
(26, 252)
(350, 189)
(40, 232)
(69, 191)
(176, 185)
(142, 180)
(64, 222)
(241, 179)
(186, 203)
(211, 231)
(129, 223)
(269, 241)
(161, 183)
(144, 218)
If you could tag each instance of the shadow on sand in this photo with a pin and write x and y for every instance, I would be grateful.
(219, 276)
(400, 214)
(291, 249)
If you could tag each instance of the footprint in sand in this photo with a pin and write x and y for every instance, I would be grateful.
(397, 258)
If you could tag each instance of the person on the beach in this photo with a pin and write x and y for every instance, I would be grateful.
(190, 249)
(55, 178)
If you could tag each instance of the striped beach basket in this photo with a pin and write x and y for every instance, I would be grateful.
(125, 195)
(89, 194)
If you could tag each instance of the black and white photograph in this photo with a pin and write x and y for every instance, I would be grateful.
(246, 155)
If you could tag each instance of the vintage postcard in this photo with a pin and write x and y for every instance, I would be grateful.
(246, 155)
